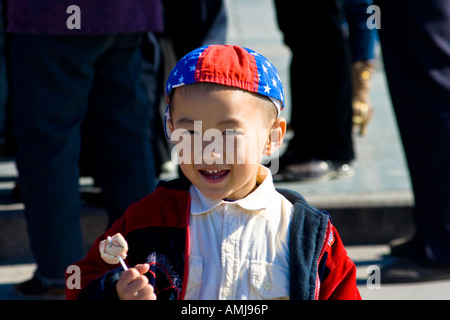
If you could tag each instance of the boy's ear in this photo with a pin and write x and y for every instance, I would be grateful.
(169, 124)
(276, 136)
(169, 129)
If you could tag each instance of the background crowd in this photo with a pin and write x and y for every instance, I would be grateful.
(88, 102)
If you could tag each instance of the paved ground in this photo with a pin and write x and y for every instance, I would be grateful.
(375, 202)
(369, 258)
(365, 257)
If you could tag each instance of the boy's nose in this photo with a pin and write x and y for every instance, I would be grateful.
(216, 155)
(213, 156)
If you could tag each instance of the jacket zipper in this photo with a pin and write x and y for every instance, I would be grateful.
(324, 247)
(187, 251)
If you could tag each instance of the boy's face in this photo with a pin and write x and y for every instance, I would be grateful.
(221, 136)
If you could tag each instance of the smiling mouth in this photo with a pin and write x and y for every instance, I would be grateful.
(214, 175)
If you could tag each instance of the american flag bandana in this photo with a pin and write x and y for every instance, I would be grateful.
(228, 65)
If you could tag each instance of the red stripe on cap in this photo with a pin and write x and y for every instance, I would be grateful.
(228, 65)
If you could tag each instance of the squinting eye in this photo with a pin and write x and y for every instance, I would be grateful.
(188, 134)
(232, 132)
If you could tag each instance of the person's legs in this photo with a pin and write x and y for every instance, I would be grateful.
(4, 85)
(51, 78)
(417, 69)
(118, 126)
(321, 115)
(361, 39)
(362, 51)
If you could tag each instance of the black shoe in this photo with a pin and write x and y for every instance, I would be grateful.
(405, 271)
(316, 170)
(342, 169)
(36, 289)
(407, 247)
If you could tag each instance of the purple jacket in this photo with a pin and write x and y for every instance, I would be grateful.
(96, 16)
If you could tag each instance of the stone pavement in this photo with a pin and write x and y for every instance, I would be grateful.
(368, 209)
(365, 257)
(369, 258)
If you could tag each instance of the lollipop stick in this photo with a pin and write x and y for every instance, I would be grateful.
(124, 266)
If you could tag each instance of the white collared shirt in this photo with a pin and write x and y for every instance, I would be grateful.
(240, 249)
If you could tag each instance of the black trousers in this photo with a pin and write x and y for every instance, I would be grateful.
(415, 40)
(58, 82)
(320, 80)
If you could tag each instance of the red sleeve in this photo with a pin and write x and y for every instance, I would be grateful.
(340, 281)
(92, 265)
(163, 207)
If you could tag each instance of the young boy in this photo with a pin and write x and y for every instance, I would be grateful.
(225, 232)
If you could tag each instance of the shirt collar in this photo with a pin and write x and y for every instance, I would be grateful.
(256, 200)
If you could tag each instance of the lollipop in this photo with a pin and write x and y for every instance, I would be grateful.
(114, 249)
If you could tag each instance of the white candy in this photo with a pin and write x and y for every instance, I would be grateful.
(112, 248)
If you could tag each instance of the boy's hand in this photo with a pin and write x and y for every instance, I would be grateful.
(133, 285)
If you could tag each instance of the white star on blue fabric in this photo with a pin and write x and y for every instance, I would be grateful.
(274, 82)
(268, 81)
(264, 68)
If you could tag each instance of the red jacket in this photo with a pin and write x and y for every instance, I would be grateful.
(157, 231)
